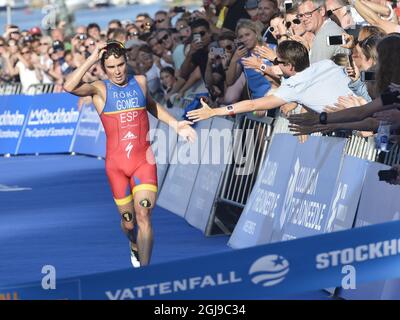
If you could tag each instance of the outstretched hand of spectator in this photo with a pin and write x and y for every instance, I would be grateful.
(265, 52)
(304, 119)
(204, 113)
(252, 62)
(350, 101)
(392, 116)
(305, 130)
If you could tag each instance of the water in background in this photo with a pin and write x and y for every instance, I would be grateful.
(27, 19)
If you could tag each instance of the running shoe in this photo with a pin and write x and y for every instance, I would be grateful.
(134, 257)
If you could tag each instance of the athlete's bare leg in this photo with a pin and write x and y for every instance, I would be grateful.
(143, 204)
(128, 221)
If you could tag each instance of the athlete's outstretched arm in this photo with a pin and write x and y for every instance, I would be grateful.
(74, 83)
(264, 103)
(182, 128)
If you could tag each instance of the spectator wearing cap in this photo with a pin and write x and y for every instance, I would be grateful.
(314, 16)
(252, 9)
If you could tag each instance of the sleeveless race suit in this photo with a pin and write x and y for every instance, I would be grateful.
(129, 159)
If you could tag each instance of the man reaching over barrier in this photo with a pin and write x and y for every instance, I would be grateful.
(314, 86)
(122, 103)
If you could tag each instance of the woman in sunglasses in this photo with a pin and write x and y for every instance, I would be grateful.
(296, 28)
(249, 36)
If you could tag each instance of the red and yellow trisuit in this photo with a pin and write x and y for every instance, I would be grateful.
(130, 162)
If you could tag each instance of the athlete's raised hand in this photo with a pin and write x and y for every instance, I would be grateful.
(185, 130)
(203, 113)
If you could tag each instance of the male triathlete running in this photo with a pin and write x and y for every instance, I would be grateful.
(122, 103)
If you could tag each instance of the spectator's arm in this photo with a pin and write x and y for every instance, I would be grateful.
(11, 69)
(264, 103)
(233, 73)
(233, 93)
(187, 66)
(373, 18)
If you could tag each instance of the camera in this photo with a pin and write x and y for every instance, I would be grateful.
(196, 38)
(28, 39)
(335, 40)
(239, 44)
(58, 46)
(218, 52)
(82, 36)
(288, 5)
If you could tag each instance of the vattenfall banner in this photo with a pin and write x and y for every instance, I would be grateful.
(13, 118)
(379, 203)
(350, 257)
(51, 124)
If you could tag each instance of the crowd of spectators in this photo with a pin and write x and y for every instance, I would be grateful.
(301, 56)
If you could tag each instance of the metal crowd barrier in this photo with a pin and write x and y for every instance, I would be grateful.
(256, 133)
(10, 89)
(41, 88)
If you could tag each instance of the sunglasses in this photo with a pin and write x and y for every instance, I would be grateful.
(44, 44)
(228, 47)
(160, 41)
(307, 14)
(160, 20)
(294, 21)
(201, 33)
(277, 62)
(133, 34)
(329, 13)
(25, 52)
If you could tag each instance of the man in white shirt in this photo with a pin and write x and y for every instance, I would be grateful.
(314, 87)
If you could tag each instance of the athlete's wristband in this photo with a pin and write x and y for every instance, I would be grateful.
(230, 110)
(389, 98)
